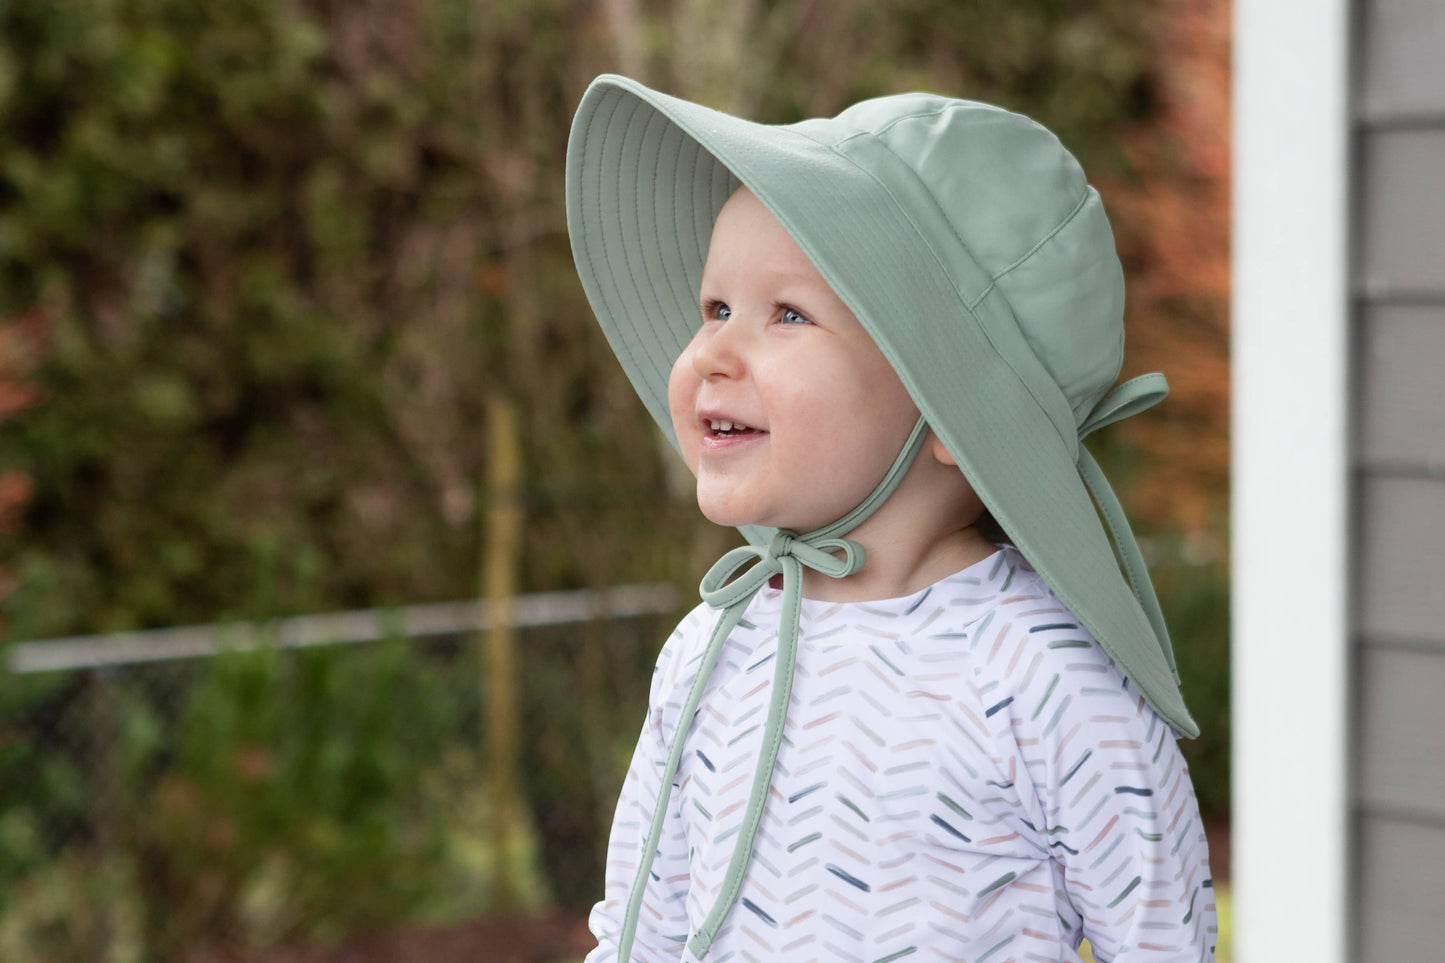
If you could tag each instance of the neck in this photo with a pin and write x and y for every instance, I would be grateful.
(900, 564)
(924, 532)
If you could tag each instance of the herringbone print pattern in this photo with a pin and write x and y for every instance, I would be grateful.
(964, 775)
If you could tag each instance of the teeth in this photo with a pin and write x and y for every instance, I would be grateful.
(722, 425)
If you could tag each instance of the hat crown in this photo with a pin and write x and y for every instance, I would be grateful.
(1019, 207)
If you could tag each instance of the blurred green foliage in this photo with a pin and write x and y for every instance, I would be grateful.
(266, 797)
(286, 251)
(302, 775)
(273, 249)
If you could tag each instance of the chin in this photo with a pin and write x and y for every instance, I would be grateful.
(736, 519)
(725, 517)
(731, 512)
(727, 514)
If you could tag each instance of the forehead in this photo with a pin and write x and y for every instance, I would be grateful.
(747, 237)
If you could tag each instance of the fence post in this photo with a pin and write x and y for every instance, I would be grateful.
(105, 785)
(501, 547)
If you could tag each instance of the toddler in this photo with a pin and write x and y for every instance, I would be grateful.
(922, 712)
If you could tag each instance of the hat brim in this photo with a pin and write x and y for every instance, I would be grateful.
(646, 176)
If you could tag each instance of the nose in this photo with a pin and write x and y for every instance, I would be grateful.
(716, 351)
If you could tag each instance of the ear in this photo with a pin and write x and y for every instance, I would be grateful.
(940, 453)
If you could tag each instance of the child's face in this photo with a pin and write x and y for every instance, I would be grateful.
(780, 355)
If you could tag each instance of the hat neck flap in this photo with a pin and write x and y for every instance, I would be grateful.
(1129, 398)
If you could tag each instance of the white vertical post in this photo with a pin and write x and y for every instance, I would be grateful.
(1289, 479)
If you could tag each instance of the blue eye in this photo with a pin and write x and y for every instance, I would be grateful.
(713, 310)
(791, 316)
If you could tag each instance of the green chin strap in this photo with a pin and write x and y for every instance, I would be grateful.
(787, 553)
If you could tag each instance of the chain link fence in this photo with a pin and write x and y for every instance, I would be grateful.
(170, 794)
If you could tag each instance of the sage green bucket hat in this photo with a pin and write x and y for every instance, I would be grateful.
(968, 243)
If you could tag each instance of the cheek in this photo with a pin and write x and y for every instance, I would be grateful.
(892, 407)
(682, 387)
(863, 428)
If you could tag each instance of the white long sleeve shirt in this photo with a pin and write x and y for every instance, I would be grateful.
(964, 775)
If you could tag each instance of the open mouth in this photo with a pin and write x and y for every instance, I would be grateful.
(728, 429)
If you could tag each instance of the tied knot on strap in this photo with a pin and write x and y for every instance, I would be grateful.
(788, 552)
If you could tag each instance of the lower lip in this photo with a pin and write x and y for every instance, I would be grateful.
(716, 444)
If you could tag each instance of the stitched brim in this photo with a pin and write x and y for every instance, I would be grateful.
(646, 177)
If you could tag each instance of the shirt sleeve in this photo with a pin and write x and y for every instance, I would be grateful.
(662, 924)
(1116, 804)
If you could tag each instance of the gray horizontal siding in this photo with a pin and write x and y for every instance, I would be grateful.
(1402, 765)
(1402, 70)
(1402, 563)
(1402, 388)
(1402, 216)
(1399, 548)
(1402, 879)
